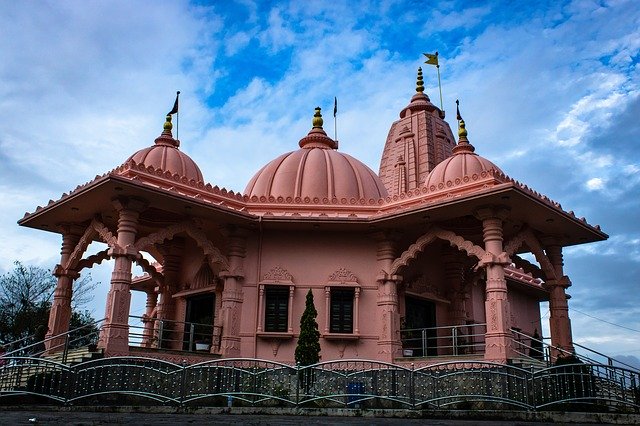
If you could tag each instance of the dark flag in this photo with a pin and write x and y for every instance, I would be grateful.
(458, 117)
(175, 105)
(335, 106)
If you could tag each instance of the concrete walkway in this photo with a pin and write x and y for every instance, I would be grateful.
(139, 416)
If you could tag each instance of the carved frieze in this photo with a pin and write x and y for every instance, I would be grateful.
(276, 275)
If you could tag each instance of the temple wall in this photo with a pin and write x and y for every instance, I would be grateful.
(310, 258)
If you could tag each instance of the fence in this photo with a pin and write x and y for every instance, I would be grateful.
(333, 384)
(169, 334)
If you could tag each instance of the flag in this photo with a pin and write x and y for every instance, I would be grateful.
(335, 107)
(175, 105)
(458, 117)
(432, 59)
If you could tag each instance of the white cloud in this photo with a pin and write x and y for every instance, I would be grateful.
(595, 184)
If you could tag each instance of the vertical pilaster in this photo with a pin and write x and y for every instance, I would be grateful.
(147, 319)
(389, 345)
(454, 279)
(232, 295)
(559, 322)
(114, 336)
(497, 337)
(60, 313)
(171, 260)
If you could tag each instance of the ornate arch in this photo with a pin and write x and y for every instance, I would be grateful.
(92, 260)
(151, 270)
(418, 247)
(95, 229)
(217, 261)
(527, 236)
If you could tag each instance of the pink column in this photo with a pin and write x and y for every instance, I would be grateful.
(173, 332)
(114, 336)
(498, 336)
(60, 313)
(232, 295)
(559, 322)
(453, 276)
(148, 321)
(389, 345)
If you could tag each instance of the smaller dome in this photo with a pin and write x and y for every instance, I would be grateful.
(464, 162)
(165, 155)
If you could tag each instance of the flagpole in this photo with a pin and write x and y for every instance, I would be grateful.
(335, 119)
(178, 117)
(439, 85)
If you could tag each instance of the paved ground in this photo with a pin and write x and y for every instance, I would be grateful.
(77, 418)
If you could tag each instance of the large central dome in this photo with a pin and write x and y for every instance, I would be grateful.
(317, 171)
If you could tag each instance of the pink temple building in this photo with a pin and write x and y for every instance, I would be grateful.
(421, 261)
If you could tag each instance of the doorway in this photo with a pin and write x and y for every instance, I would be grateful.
(199, 320)
(420, 319)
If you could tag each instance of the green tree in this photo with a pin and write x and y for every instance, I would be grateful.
(26, 293)
(308, 348)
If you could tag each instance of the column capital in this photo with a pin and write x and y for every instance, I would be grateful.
(492, 212)
(563, 282)
(59, 271)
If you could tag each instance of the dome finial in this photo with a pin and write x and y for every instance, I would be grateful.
(167, 124)
(317, 118)
(462, 130)
(419, 81)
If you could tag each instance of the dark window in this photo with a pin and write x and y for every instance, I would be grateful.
(276, 309)
(341, 310)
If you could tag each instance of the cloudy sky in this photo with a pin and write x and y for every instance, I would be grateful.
(550, 91)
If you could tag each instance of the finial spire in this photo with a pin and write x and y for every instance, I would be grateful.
(462, 130)
(317, 118)
(420, 81)
(167, 124)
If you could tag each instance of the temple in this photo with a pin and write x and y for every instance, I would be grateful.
(438, 255)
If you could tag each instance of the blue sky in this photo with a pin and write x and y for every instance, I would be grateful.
(550, 92)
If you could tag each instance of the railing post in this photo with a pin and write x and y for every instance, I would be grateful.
(297, 383)
(454, 336)
(192, 330)
(160, 333)
(65, 350)
(424, 342)
(183, 381)
(412, 387)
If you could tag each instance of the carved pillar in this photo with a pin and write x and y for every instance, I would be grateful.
(148, 321)
(232, 295)
(454, 281)
(498, 336)
(171, 259)
(559, 322)
(114, 336)
(60, 313)
(389, 345)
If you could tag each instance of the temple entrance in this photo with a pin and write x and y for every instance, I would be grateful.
(420, 321)
(199, 321)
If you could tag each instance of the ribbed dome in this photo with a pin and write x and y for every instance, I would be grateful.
(316, 170)
(165, 155)
(463, 163)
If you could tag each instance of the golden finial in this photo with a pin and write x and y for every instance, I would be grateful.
(462, 131)
(167, 124)
(419, 82)
(317, 118)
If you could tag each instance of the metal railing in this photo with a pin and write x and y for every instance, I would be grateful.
(177, 335)
(453, 340)
(528, 347)
(81, 336)
(334, 384)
